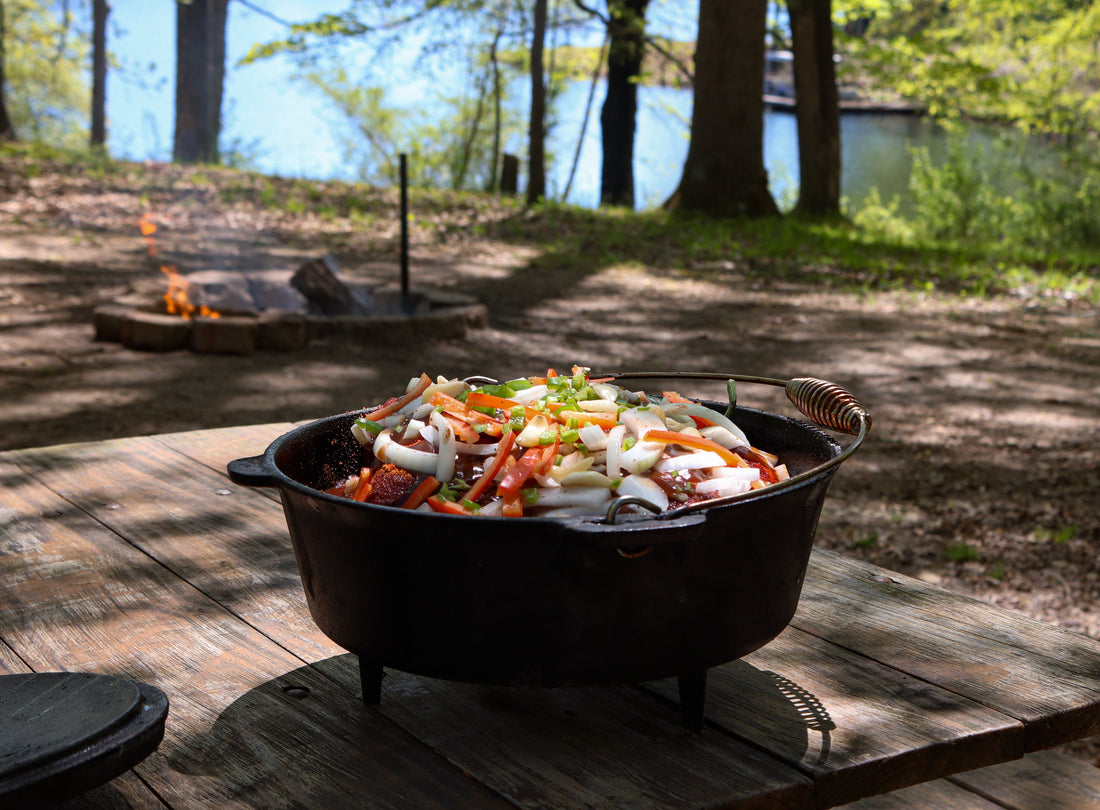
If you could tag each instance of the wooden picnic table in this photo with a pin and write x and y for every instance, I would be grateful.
(138, 558)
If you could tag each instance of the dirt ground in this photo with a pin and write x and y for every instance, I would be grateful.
(980, 474)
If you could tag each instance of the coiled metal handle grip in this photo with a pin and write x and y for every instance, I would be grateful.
(828, 404)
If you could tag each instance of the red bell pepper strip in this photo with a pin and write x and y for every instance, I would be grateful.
(447, 507)
(507, 442)
(421, 493)
(482, 400)
(546, 458)
(518, 475)
(494, 427)
(512, 506)
(463, 430)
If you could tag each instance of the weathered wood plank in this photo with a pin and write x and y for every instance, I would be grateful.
(124, 792)
(216, 447)
(938, 795)
(1046, 677)
(1045, 780)
(153, 479)
(598, 746)
(76, 596)
(10, 663)
(854, 726)
(230, 542)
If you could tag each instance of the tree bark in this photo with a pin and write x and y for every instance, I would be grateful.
(200, 74)
(817, 107)
(724, 172)
(100, 10)
(626, 35)
(536, 175)
(7, 131)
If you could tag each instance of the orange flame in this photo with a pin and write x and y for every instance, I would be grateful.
(176, 299)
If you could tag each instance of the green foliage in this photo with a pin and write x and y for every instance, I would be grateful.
(1031, 62)
(870, 540)
(960, 552)
(998, 194)
(449, 145)
(45, 56)
(1059, 535)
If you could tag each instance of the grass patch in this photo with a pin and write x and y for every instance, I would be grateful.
(841, 255)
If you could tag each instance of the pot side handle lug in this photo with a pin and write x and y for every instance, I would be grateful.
(250, 472)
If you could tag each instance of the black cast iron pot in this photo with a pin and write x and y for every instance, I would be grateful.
(556, 601)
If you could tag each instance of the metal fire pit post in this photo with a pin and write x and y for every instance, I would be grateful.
(404, 229)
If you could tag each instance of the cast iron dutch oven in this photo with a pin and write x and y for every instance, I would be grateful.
(620, 598)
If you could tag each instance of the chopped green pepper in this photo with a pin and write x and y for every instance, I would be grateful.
(369, 425)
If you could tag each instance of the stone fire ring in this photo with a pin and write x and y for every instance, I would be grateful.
(140, 321)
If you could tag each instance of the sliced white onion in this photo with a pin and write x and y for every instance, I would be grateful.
(450, 387)
(695, 409)
(638, 486)
(586, 478)
(393, 420)
(573, 463)
(413, 429)
(364, 437)
(614, 449)
(593, 437)
(590, 497)
(606, 392)
(640, 421)
(743, 473)
(492, 509)
(476, 449)
(445, 466)
(717, 433)
(598, 458)
(598, 406)
(722, 486)
(423, 412)
(641, 457)
(529, 395)
(532, 431)
(691, 461)
(390, 452)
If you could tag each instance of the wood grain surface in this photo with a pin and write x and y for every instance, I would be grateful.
(139, 557)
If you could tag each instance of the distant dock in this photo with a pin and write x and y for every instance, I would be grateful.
(849, 106)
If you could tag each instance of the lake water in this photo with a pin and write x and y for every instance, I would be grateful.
(290, 131)
(875, 149)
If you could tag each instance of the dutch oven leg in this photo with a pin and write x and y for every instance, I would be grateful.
(370, 677)
(693, 693)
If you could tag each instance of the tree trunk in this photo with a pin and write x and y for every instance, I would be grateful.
(536, 179)
(7, 131)
(817, 107)
(724, 172)
(200, 74)
(100, 10)
(626, 33)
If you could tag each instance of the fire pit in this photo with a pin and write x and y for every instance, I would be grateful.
(237, 313)
(265, 311)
